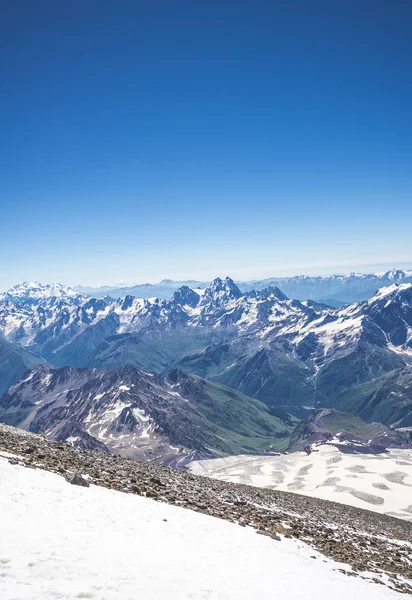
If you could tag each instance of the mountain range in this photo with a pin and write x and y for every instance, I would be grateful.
(203, 360)
(334, 290)
(140, 415)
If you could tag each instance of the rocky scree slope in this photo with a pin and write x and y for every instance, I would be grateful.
(372, 546)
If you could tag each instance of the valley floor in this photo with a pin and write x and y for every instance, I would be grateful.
(382, 482)
(63, 541)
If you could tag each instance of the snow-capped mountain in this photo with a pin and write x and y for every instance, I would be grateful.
(44, 317)
(49, 318)
(384, 320)
(286, 353)
(32, 292)
(335, 289)
(313, 362)
(140, 415)
(155, 334)
(69, 328)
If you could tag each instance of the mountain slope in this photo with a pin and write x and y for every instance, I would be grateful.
(347, 433)
(242, 421)
(387, 398)
(286, 353)
(141, 415)
(312, 361)
(44, 318)
(153, 334)
(14, 361)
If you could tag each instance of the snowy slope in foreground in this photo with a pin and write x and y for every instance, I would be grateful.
(63, 541)
(381, 483)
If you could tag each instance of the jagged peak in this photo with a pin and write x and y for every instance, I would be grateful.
(226, 286)
(185, 296)
(129, 370)
(269, 292)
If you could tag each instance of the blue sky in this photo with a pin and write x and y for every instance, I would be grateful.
(143, 140)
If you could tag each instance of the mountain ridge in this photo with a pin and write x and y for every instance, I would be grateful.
(287, 353)
(339, 288)
(140, 415)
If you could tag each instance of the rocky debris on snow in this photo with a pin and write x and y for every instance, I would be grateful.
(78, 479)
(373, 546)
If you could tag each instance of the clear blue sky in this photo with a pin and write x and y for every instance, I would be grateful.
(166, 138)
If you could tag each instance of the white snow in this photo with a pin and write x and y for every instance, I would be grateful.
(402, 350)
(381, 482)
(72, 439)
(36, 290)
(386, 291)
(63, 541)
(331, 334)
(140, 414)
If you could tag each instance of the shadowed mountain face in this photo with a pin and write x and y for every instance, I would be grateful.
(14, 361)
(289, 354)
(141, 415)
(387, 399)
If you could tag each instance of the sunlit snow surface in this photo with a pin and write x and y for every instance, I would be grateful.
(382, 482)
(63, 541)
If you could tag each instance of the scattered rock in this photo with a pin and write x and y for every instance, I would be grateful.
(279, 528)
(77, 479)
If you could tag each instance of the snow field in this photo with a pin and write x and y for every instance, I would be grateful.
(63, 541)
(381, 482)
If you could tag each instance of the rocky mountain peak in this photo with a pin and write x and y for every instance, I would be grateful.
(268, 293)
(396, 275)
(222, 287)
(185, 296)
